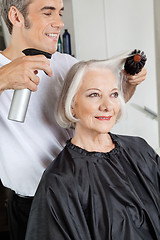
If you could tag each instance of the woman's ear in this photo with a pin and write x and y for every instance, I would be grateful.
(72, 107)
(15, 17)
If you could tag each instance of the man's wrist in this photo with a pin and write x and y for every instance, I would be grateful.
(128, 90)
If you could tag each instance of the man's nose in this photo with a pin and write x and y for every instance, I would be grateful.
(57, 23)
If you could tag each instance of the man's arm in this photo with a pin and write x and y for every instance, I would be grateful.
(130, 83)
(21, 73)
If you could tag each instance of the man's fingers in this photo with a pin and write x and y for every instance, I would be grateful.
(133, 82)
(22, 72)
(137, 78)
(34, 78)
(39, 62)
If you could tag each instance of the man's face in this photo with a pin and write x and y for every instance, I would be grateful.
(43, 25)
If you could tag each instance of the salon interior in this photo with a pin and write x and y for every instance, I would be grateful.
(103, 29)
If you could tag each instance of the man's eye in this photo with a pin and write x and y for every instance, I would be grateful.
(115, 94)
(94, 95)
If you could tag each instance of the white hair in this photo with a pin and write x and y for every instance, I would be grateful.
(64, 116)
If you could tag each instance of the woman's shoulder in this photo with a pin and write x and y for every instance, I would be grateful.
(127, 140)
(137, 146)
(62, 169)
(134, 144)
(60, 163)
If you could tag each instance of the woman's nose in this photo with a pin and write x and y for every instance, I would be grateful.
(106, 105)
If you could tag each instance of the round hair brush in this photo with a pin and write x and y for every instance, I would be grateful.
(135, 62)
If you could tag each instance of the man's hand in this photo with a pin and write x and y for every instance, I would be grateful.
(21, 73)
(137, 78)
(130, 82)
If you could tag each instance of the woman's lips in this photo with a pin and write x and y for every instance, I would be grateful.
(103, 118)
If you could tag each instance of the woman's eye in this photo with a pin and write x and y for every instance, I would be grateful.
(94, 95)
(47, 14)
(115, 94)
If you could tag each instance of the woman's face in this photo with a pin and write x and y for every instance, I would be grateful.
(96, 103)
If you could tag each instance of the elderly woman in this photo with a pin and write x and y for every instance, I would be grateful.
(102, 186)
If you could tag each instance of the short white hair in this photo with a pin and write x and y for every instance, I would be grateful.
(64, 116)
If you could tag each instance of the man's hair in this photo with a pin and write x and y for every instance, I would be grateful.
(64, 116)
(21, 5)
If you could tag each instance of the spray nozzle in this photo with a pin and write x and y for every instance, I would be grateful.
(32, 52)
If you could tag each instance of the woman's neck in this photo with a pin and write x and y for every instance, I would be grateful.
(94, 142)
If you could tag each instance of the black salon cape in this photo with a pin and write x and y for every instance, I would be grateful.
(99, 196)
